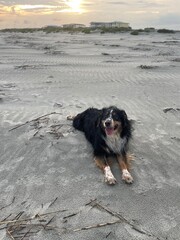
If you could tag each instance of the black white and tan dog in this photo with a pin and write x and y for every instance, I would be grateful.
(109, 131)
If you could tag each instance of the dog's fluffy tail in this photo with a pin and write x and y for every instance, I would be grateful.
(78, 122)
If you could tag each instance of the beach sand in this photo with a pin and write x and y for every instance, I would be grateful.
(47, 167)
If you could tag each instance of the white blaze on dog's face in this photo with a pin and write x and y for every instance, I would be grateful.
(111, 121)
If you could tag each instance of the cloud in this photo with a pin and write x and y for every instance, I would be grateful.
(43, 7)
(30, 2)
(138, 3)
(117, 3)
(151, 4)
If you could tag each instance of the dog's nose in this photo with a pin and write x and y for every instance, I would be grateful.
(108, 123)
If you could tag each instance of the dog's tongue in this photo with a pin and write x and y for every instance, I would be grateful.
(109, 131)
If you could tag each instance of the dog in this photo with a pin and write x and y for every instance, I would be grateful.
(109, 131)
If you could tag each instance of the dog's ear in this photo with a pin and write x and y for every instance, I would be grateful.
(99, 117)
(124, 117)
(126, 125)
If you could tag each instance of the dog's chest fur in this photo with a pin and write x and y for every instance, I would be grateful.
(115, 143)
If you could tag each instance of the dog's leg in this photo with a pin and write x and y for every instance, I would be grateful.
(103, 165)
(123, 164)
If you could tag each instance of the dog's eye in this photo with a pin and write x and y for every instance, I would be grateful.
(106, 116)
(115, 116)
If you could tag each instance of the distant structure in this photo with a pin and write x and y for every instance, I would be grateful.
(74, 25)
(109, 24)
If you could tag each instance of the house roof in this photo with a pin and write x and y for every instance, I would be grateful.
(107, 22)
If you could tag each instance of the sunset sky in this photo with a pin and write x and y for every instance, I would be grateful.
(139, 13)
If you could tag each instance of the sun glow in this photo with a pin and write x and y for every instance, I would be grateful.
(75, 5)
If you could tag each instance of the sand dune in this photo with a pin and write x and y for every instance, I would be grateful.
(45, 165)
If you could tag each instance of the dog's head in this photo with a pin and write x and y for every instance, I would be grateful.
(114, 121)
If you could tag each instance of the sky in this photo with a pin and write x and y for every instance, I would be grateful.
(138, 13)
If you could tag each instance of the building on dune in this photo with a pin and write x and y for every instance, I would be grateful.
(109, 25)
(74, 25)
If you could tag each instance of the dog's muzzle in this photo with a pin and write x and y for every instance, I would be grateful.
(109, 126)
(108, 122)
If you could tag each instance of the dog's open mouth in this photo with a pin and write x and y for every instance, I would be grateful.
(110, 130)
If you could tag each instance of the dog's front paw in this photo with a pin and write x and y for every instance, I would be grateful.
(126, 176)
(110, 180)
(108, 176)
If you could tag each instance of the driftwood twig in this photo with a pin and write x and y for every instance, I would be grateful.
(18, 215)
(122, 219)
(53, 202)
(30, 219)
(49, 221)
(26, 234)
(108, 234)
(71, 215)
(96, 226)
(44, 214)
(91, 202)
(7, 217)
(16, 221)
(8, 204)
(9, 234)
(32, 120)
(115, 214)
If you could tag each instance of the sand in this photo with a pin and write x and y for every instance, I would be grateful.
(46, 166)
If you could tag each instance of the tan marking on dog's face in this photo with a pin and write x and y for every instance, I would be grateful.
(117, 126)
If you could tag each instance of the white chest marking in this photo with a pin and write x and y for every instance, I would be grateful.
(115, 143)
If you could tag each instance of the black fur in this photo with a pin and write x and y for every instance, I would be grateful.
(90, 122)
